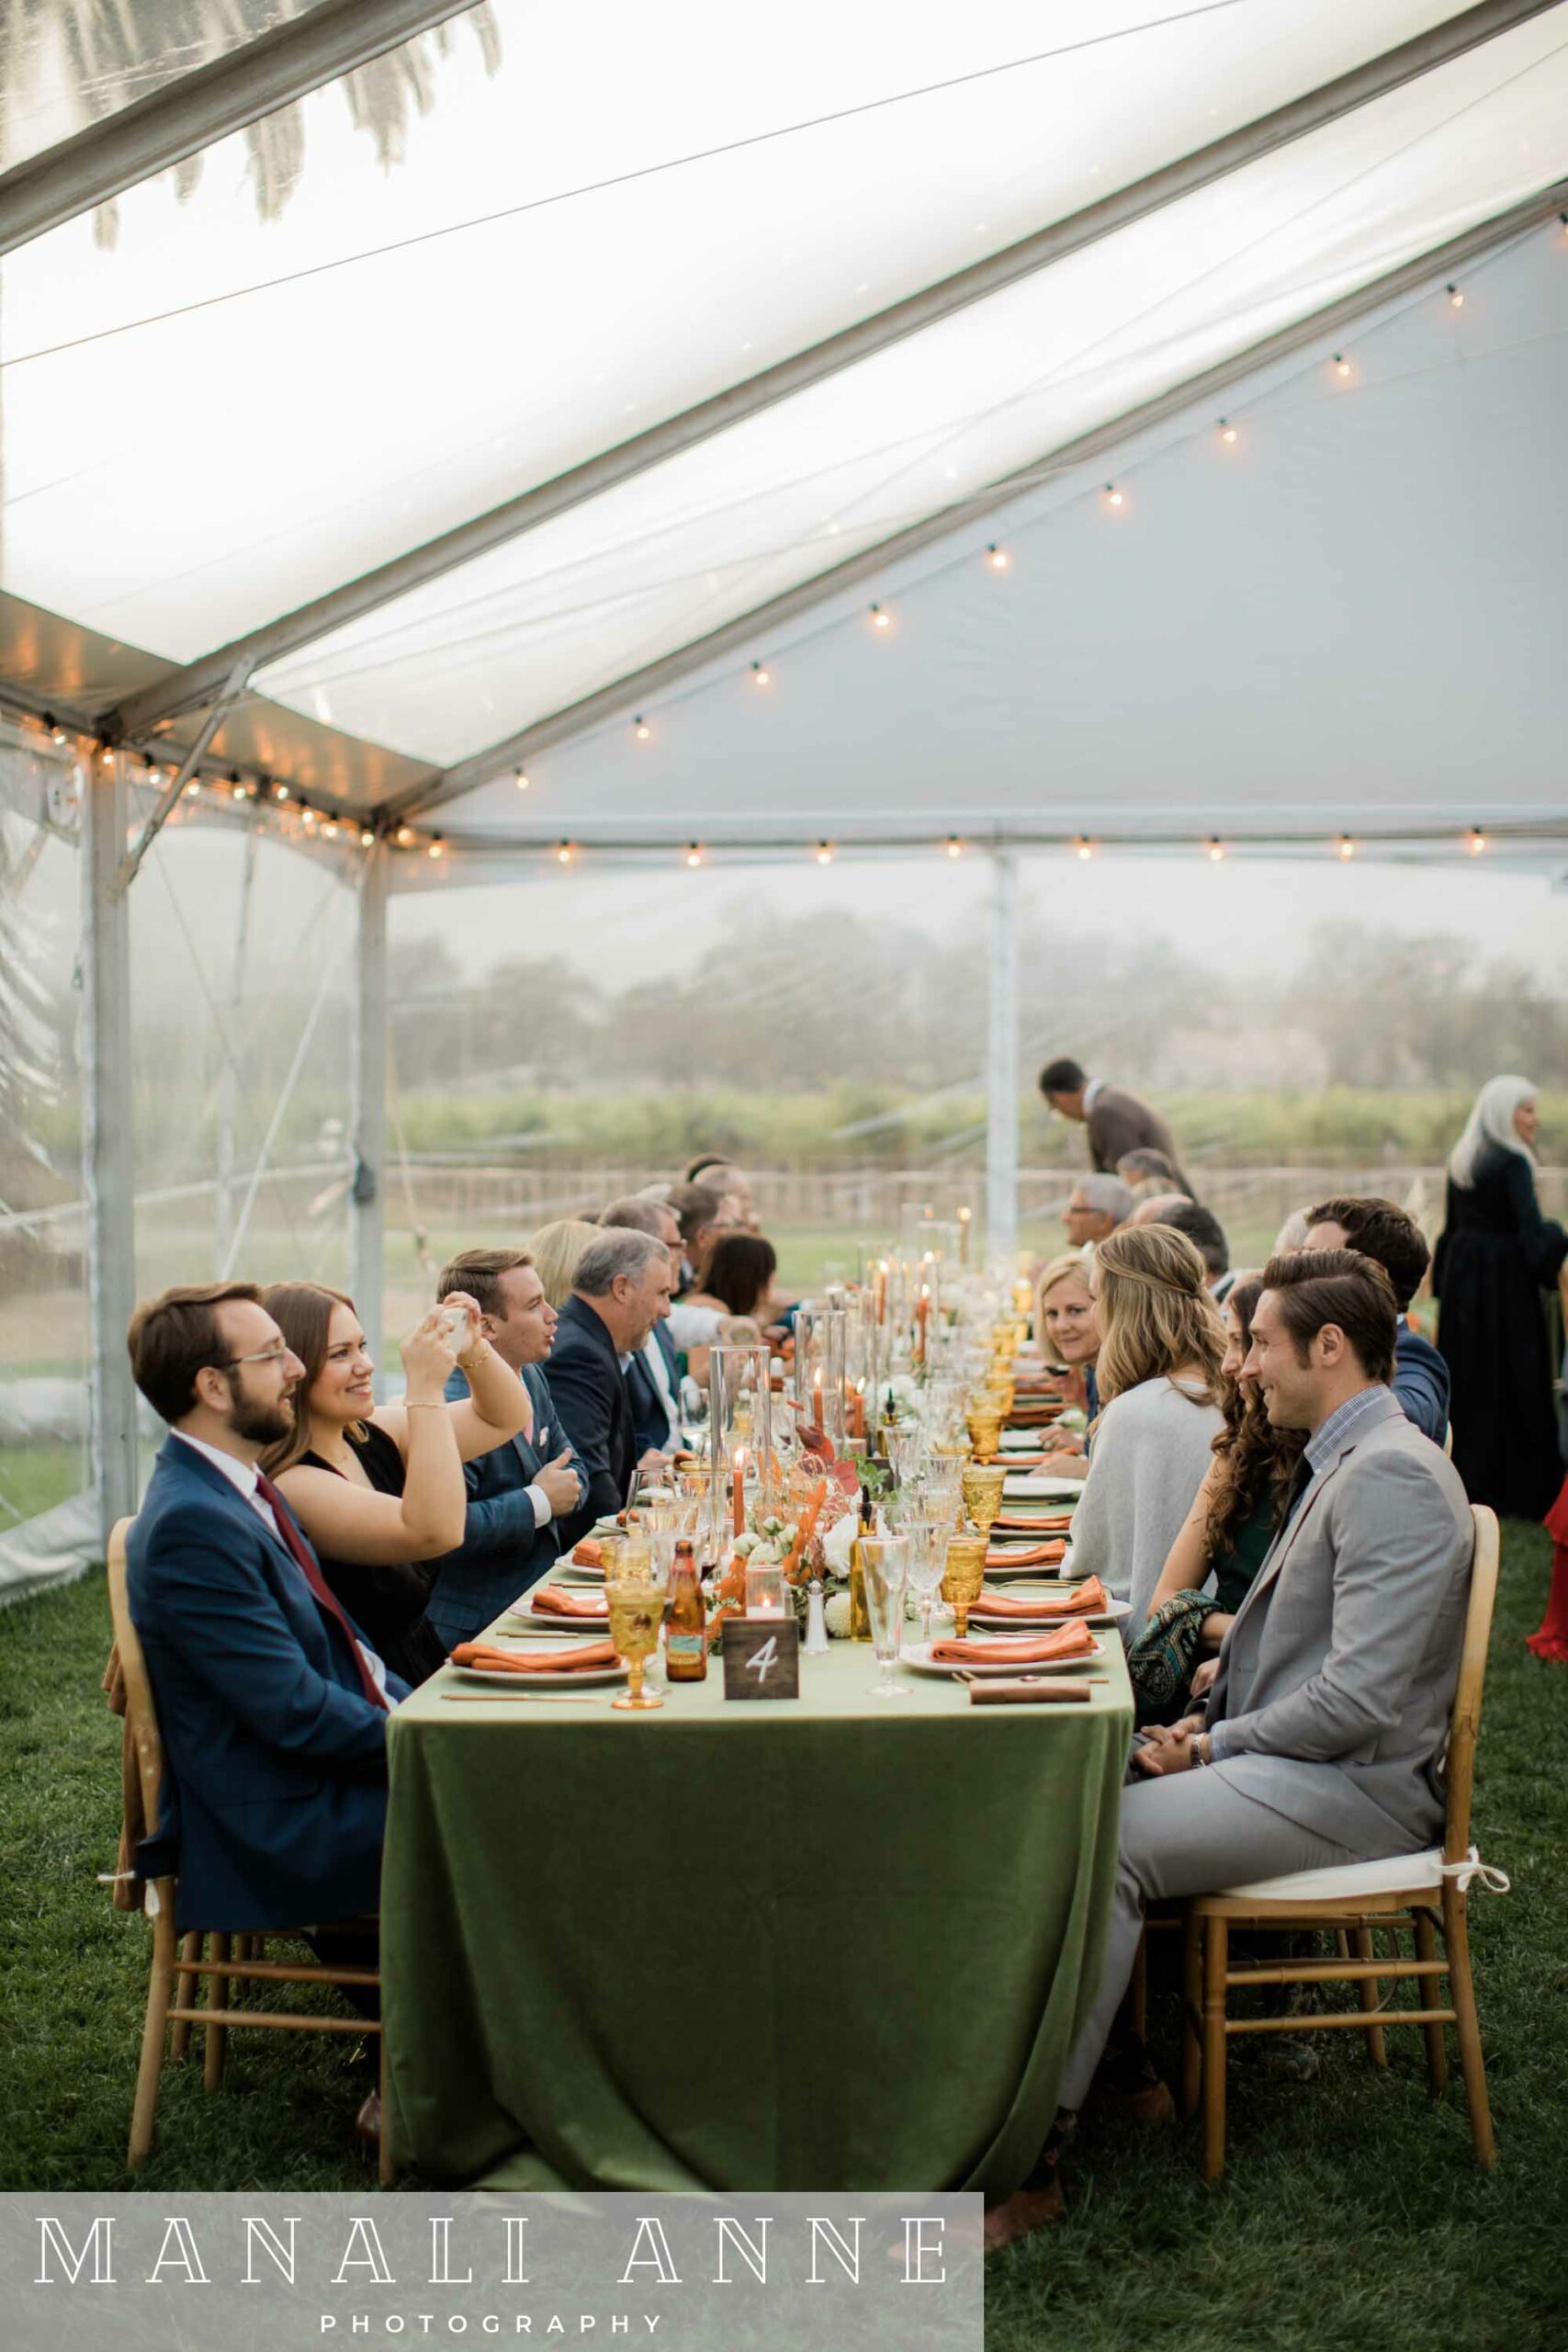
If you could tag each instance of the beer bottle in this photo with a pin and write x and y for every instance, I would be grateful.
(860, 1616)
(686, 1623)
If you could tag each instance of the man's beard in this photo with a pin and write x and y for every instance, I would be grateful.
(261, 1424)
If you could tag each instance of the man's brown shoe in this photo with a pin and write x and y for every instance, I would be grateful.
(1025, 2210)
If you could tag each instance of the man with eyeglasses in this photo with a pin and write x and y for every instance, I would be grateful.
(272, 1706)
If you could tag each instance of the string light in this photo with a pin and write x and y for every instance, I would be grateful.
(403, 836)
(307, 816)
(193, 788)
(155, 773)
(879, 619)
(641, 730)
(1085, 847)
(1341, 366)
(106, 756)
(1115, 499)
(954, 846)
(280, 793)
(760, 676)
(1456, 299)
(56, 732)
(564, 855)
(1347, 847)
(1216, 849)
(1477, 840)
(1228, 434)
(824, 853)
(367, 839)
(695, 855)
(521, 779)
(437, 848)
(998, 558)
(329, 831)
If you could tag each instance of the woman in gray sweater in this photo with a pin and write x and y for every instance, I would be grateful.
(1158, 1374)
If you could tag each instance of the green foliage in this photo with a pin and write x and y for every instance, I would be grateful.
(1351, 2214)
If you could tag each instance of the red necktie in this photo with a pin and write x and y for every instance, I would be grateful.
(300, 1552)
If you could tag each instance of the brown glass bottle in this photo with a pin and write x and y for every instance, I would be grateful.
(860, 1616)
(687, 1622)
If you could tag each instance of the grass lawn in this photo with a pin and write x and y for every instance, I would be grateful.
(1351, 2215)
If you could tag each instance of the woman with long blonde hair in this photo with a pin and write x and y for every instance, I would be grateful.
(1066, 1325)
(556, 1251)
(1161, 1348)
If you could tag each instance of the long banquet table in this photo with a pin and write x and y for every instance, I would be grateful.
(822, 1944)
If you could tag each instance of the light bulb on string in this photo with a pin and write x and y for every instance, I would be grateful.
(695, 855)
(437, 848)
(997, 557)
(564, 853)
(403, 836)
(1342, 367)
(641, 729)
(1228, 432)
(155, 773)
(1115, 499)
(1456, 298)
(824, 853)
(879, 619)
(760, 674)
(307, 817)
(106, 756)
(193, 788)
(1216, 849)
(1084, 847)
(329, 831)
(54, 731)
(280, 793)
(1477, 840)
(954, 846)
(367, 838)
(521, 779)
(1347, 848)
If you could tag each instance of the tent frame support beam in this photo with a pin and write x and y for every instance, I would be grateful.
(1001, 1062)
(189, 687)
(367, 1208)
(109, 1169)
(192, 110)
(639, 685)
(131, 864)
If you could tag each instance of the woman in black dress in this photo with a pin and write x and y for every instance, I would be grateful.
(378, 1489)
(1496, 1256)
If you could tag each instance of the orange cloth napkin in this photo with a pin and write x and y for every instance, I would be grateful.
(1028, 1555)
(1063, 1641)
(557, 1600)
(580, 1660)
(1079, 1601)
(1038, 1522)
(589, 1553)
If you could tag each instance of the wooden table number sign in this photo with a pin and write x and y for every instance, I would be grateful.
(761, 1657)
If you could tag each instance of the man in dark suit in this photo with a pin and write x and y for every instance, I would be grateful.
(1117, 1122)
(1380, 1231)
(519, 1493)
(620, 1291)
(653, 1375)
(273, 1708)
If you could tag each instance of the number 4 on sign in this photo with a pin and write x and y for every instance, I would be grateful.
(763, 1664)
(762, 1661)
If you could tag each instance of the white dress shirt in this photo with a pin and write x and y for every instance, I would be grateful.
(658, 1373)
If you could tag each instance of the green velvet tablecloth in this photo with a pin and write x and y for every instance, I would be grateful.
(818, 1944)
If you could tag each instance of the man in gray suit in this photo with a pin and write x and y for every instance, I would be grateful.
(1324, 1735)
(1117, 1122)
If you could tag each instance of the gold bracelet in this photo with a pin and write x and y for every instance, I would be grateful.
(424, 1404)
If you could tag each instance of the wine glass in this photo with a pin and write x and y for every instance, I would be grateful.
(885, 1561)
(928, 1560)
(982, 1491)
(963, 1576)
(636, 1612)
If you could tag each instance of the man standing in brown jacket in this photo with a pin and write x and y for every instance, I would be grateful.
(1117, 1122)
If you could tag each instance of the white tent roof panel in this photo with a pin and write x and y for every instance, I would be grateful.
(1348, 620)
(188, 478)
(497, 643)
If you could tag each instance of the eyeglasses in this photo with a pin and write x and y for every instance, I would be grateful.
(257, 1356)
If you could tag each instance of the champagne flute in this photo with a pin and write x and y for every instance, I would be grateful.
(928, 1560)
(636, 1612)
(885, 1560)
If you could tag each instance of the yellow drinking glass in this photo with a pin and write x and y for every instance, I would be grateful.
(963, 1576)
(636, 1612)
(985, 1429)
(983, 1496)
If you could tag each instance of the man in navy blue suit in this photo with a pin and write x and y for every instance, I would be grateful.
(653, 1374)
(520, 1492)
(273, 1707)
(1380, 1230)
(619, 1292)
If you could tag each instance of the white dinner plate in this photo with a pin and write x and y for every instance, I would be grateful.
(570, 1572)
(1040, 1485)
(543, 1621)
(1111, 1614)
(918, 1657)
(543, 1679)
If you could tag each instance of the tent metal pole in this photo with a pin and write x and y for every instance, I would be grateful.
(188, 113)
(628, 692)
(187, 688)
(367, 1213)
(108, 1171)
(228, 1076)
(1001, 1061)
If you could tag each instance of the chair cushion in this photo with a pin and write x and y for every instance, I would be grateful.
(1404, 1873)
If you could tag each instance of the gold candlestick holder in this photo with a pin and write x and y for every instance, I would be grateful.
(964, 1575)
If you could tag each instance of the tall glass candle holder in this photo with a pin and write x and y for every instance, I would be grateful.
(820, 1339)
(740, 1417)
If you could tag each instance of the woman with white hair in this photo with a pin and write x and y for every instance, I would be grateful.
(1496, 1257)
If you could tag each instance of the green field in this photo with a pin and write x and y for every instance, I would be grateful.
(1351, 2214)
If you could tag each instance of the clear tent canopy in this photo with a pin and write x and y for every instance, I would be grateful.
(451, 441)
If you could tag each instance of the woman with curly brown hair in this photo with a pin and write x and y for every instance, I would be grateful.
(1237, 1514)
